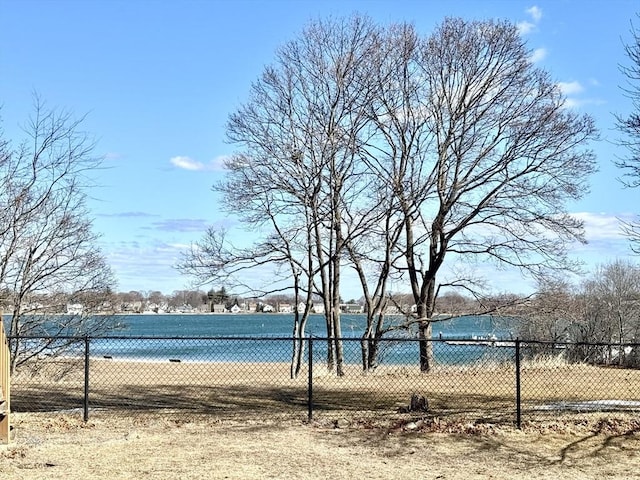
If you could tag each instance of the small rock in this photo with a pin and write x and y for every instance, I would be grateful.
(340, 423)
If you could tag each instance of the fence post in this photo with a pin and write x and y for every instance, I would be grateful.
(518, 403)
(5, 386)
(310, 381)
(85, 402)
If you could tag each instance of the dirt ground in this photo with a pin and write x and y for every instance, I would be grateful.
(249, 421)
(62, 446)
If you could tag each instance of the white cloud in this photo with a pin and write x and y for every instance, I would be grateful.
(538, 55)
(570, 88)
(572, 91)
(605, 238)
(112, 156)
(572, 103)
(535, 12)
(187, 163)
(602, 226)
(577, 103)
(525, 27)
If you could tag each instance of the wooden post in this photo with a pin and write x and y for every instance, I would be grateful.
(5, 386)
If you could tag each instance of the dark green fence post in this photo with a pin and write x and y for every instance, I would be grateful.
(86, 378)
(518, 403)
(310, 383)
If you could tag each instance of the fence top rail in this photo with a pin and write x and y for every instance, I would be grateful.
(502, 342)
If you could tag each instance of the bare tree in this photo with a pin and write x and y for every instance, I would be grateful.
(298, 167)
(48, 253)
(375, 244)
(629, 126)
(499, 155)
(601, 316)
(387, 152)
(550, 315)
(611, 308)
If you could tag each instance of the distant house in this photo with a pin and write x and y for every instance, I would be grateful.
(203, 308)
(156, 308)
(318, 308)
(252, 307)
(351, 308)
(185, 308)
(285, 308)
(219, 308)
(266, 308)
(236, 308)
(134, 307)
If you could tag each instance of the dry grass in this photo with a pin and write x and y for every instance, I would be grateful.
(246, 421)
(150, 447)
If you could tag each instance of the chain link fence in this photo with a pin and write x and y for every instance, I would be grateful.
(487, 381)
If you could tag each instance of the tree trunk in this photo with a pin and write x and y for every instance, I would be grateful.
(299, 324)
(328, 315)
(338, 343)
(426, 345)
(374, 351)
(337, 327)
(425, 327)
(298, 347)
(336, 270)
(370, 341)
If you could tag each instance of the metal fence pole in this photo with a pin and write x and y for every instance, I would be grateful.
(86, 379)
(518, 402)
(310, 382)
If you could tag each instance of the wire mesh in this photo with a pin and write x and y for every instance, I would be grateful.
(570, 380)
(467, 380)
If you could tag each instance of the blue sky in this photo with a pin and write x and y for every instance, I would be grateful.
(159, 78)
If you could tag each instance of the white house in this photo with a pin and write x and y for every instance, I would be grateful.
(285, 308)
(219, 308)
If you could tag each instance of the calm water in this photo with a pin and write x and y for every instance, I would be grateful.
(264, 338)
(279, 325)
